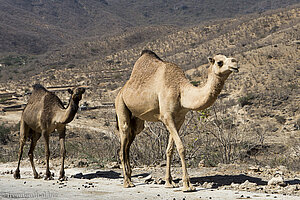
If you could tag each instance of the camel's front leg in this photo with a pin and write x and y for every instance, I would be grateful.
(169, 181)
(169, 122)
(62, 135)
(168, 178)
(23, 136)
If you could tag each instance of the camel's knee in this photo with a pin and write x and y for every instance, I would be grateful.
(124, 127)
(181, 150)
(121, 154)
(63, 151)
(169, 152)
(30, 155)
(47, 154)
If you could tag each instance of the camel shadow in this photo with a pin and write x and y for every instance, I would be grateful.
(143, 175)
(98, 174)
(292, 182)
(221, 180)
(105, 174)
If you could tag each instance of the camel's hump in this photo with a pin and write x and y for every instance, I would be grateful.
(151, 53)
(38, 87)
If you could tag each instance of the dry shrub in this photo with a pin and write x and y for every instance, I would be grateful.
(150, 145)
(206, 135)
(95, 147)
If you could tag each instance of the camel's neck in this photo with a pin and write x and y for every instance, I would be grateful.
(199, 98)
(68, 114)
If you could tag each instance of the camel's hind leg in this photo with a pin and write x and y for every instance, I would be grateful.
(35, 137)
(24, 130)
(125, 140)
(123, 120)
(137, 125)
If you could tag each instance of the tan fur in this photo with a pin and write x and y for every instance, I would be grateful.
(159, 91)
(43, 114)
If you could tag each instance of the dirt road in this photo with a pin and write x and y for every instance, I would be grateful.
(106, 184)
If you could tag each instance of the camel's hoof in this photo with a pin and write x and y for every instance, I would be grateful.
(37, 176)
(48, 178)
(171, 185)
(189, 189)
(128, 185)
(17, 175)
(63, 178)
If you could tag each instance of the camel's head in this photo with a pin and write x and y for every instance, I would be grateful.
(76, 93)
(221, 65)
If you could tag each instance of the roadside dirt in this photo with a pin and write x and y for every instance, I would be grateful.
(105, 183)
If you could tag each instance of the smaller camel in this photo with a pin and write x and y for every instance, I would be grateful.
(43, 114)
(159, 91)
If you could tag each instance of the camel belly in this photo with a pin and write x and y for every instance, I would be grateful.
(143, 111)
(143, 108)
(149, 115)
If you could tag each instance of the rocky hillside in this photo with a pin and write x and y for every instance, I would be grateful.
(260, 104)
(37, 26)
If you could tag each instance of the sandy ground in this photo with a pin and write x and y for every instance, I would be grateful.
(105, 184)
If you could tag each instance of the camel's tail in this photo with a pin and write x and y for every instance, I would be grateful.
(117, 124)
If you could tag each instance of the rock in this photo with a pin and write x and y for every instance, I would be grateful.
(207, 185)
(279, 173)
(160, 181)
(234, 185)
(82, 164)
(163, 163)
(255, 168)
(201, 164)
(148, 179)
(277, 180)
(113, 165)
(247, 185)
(291, 189)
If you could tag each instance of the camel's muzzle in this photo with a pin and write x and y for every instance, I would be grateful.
(234, 69)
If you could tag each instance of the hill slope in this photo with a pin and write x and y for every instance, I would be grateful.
(36, 26)
(258, 109)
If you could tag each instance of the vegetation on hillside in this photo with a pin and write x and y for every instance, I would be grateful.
(255, 119)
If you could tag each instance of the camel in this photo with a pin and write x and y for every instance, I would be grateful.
(159, 91)
(43, 114)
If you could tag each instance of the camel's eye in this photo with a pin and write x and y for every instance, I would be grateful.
(220, 63)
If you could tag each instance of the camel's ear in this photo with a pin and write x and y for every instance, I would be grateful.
(211, 60)
(70, 91)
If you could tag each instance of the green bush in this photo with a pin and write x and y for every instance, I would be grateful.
(14, 60)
